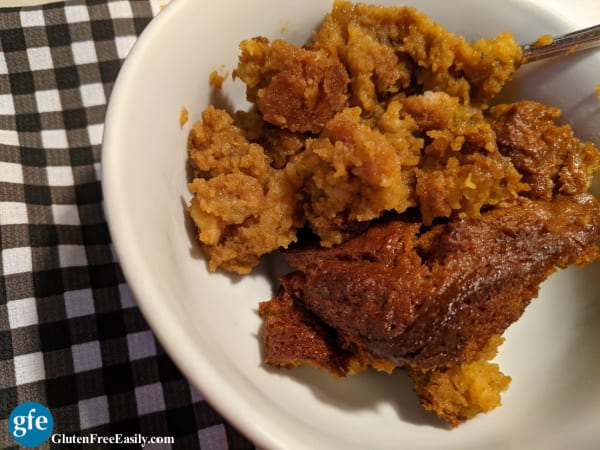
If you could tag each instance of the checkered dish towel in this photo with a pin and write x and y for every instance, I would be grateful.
(71, 335)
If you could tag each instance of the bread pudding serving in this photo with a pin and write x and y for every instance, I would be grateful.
(419, 217)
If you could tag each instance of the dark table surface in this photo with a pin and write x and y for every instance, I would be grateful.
(71, 336)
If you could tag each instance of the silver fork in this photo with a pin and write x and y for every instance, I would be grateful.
(560, 45)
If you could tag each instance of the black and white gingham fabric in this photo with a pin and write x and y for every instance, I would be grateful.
(71, 336)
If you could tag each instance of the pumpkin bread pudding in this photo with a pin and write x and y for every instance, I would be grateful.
(418, 219)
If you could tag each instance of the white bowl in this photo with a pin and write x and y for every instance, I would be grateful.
(208, 322)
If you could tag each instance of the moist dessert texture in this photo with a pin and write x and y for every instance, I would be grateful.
(432, 216)
(380, 112)
(461, 392)
(435, 299)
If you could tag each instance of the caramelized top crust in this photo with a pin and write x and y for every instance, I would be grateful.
(435, 299)
(294, 336)
(549, 157)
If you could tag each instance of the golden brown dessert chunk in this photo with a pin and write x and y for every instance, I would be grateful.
(461, 170)
(543, 40)
(461, 392)
(435, 298)
(551, 160)
(432, 301)
(237, 195)
(293, 336)
(294, 88)
(391, 50)
(372, 116)
(436, 217)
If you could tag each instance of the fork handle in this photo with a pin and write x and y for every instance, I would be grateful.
(564, 44)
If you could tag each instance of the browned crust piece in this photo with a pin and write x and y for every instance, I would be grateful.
(435, 299)
(434, 303)
(293, 336)
(550, 158)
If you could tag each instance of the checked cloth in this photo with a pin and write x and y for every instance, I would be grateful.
(71, 335)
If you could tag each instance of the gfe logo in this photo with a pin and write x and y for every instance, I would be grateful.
(30, 424)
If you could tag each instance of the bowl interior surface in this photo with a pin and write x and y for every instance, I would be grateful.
(208, 322)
